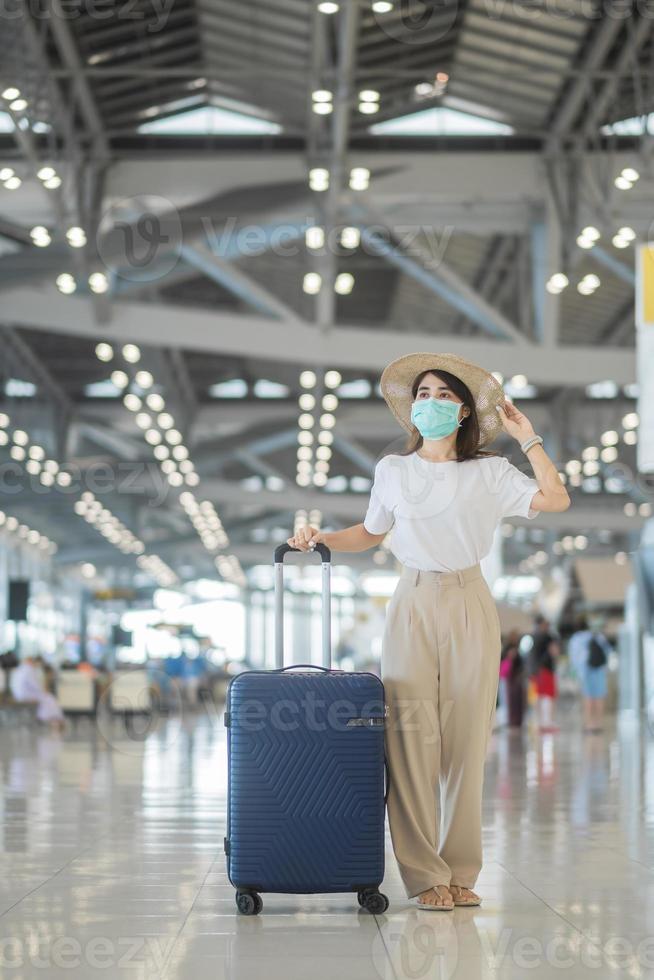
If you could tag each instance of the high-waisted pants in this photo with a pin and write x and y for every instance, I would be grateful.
(440, 667)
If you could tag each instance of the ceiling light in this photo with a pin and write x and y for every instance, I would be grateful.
(180, 452)
(350, 237)
(132, 402)
(573, 466)
(630, 437)
(104, 352)
(131, 353)
(322, 109)
(306, 402)
(368, 108)
(609, 438)
(36, 452)
(312, 283)
(40, 236)
(305, 438)
(98, 282)
(76, 237)
(382, 6)
(144, 379)
(46, 173)
(320, 479)
(120, 379)
(304, 453)
(307, 379)
(619, 242)
(321, 95)
(173, 436)
(18, 105)
(153, 437)
(11, 93)
(518, 381)
(630, 174)
(306, 421)
(330, 403)
(327, 421)
(627, 233)
(66, 283)
(161, 452)
(314, 237)
(590, 231)
(609, 455)
(53, 183)
(303, 480)
(319, 179)
(323, 452)
(344, 283)
(327, 7)
(359, 178)
(332, 379)
(622, 183)
(325, 438)
(369, 95)
(155, 401)
(590, 452)
(165, 420)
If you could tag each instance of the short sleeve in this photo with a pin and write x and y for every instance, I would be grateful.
(516, 491)
(379, 519)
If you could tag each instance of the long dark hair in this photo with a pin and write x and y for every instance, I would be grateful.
(468, 435)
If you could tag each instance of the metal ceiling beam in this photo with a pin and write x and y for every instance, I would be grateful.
(347, 346)
(238, 283)
(605, 33)
(446, 283)
(59, 24)
(627, 61)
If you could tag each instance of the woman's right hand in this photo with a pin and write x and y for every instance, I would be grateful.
(305, 537)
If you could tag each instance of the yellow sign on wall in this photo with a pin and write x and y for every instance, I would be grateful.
(645, 286)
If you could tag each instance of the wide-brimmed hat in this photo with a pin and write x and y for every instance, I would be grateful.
(398, 377)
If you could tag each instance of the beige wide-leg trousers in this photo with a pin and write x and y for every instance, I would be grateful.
(440, 667)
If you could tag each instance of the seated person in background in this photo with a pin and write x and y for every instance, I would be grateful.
(27, 686)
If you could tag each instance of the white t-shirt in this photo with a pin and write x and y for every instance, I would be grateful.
(444, 515)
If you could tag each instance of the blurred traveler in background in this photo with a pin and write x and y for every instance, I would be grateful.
(546, 682)
(27, 686)
(512, 674)
(589, 651)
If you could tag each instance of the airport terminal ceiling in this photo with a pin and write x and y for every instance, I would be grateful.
(202, 203)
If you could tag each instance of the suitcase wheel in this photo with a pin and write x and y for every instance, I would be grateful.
(249, 903)
(373, 901)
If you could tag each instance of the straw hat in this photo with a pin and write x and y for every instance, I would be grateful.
(398, 377)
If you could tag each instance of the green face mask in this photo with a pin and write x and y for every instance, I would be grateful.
(435, 418)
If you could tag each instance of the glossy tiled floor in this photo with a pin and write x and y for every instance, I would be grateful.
(111, 865)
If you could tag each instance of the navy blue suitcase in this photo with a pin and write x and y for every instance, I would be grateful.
(305, 745)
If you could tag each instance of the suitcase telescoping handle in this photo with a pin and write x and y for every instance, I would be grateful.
(325, 558)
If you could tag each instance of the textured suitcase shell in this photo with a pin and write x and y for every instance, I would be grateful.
(305, 788)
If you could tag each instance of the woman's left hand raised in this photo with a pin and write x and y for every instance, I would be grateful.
(514, 421)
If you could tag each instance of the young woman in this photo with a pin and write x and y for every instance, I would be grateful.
(443, 497)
